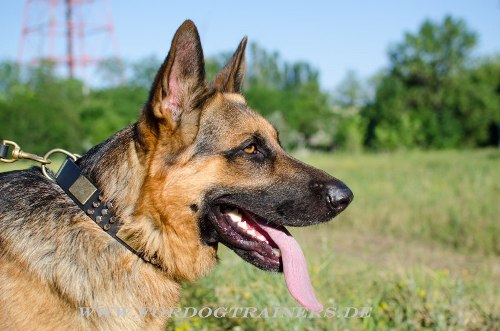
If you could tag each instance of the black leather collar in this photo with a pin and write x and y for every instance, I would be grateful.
(89, 198)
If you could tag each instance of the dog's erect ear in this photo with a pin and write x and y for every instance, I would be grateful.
(230, 78)
(180, 82)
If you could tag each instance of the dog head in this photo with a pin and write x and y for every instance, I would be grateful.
(217, 171)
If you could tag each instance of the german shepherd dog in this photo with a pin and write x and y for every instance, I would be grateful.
(199, 167)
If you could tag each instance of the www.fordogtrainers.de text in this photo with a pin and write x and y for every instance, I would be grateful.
(224, 312)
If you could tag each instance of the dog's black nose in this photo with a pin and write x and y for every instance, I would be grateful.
(337, 194)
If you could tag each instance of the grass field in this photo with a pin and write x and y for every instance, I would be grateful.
(420, 244)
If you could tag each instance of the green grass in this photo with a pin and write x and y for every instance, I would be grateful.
(57, 160)
(420, 244)
(449, 197)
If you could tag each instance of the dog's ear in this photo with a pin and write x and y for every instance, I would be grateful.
(230, 78)
(180, 81)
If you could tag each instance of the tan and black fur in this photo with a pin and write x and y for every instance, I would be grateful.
(167, 176)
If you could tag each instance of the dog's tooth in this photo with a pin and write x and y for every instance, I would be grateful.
(243, 225)
(261, 237)
(252, 232)
(277, 252)
(234, 215)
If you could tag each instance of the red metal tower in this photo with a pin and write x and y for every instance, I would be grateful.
(74, 33)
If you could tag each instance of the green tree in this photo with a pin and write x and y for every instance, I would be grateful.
(351, 92)
(350, 96)
(111, 72)
(40, 112)
(427, 97)
(290, 96)
(144, 71)
(477, 98)
(10, 78)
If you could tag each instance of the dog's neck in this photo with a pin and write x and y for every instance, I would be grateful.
(118, 166)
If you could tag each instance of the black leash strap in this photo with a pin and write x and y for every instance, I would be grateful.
(89, 198)
(4, 151)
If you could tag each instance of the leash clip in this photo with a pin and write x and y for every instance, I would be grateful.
(18, 154)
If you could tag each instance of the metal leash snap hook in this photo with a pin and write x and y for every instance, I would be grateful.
(18, 154)
(46, 172)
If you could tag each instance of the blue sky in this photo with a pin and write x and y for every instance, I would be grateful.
(334, 36)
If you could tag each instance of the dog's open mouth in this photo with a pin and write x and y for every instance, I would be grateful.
(266, 246)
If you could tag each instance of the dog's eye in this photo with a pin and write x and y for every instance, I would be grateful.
(250, 149)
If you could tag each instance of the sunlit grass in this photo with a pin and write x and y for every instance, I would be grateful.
(26, 164)
(450, 197)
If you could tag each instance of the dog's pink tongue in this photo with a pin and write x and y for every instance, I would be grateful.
(294, 268)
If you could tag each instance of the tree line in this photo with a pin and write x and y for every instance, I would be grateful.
(433, 94)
